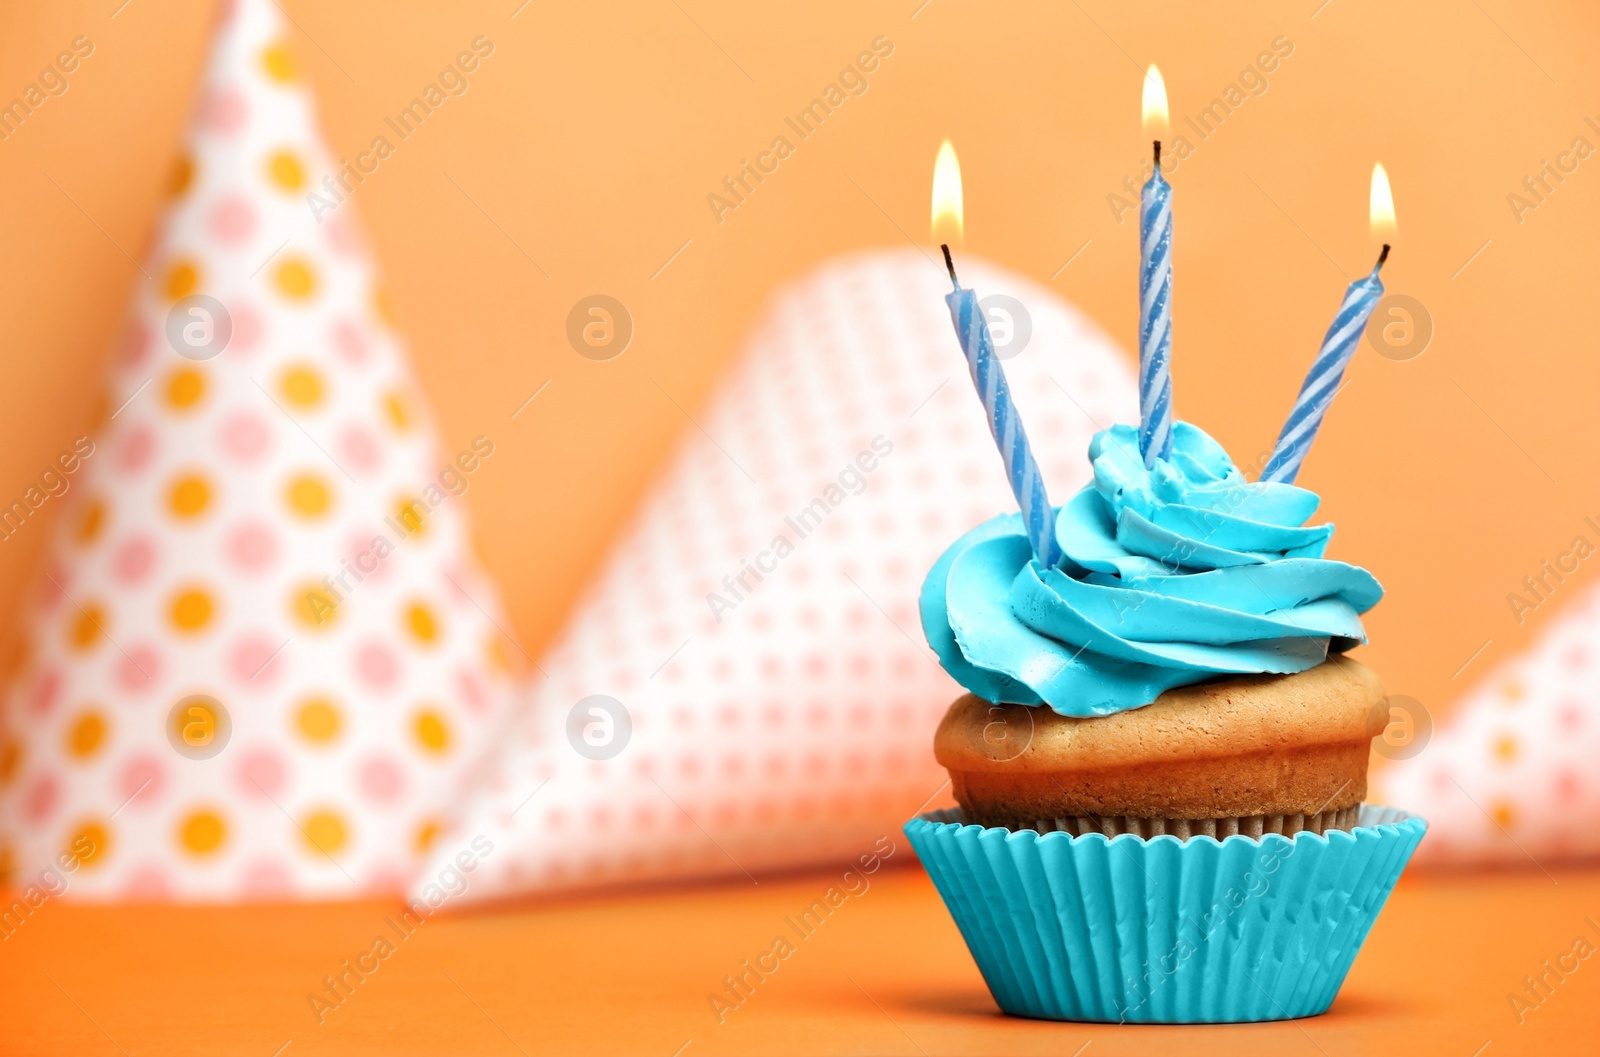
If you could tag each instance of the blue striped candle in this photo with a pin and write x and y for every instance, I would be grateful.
(972, 330)
(1322, 382)
(1155, 316)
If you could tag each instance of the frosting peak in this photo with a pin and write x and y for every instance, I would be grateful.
(1173, 575)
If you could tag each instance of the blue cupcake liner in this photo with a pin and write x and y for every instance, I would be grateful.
(1162, 931)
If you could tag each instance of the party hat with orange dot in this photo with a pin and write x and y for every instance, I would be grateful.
(1510, 777)
(262, 655)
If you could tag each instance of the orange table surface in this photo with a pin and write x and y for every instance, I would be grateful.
(632, 973)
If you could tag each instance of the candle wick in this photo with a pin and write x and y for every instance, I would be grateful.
(1158, 154)
(1382, 256)
(950, 265)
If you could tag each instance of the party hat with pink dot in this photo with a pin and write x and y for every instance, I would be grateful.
(1510, 777)
(745, 686)
(262, 654)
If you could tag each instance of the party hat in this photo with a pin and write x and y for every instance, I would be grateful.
(745, 686)
(261, 652)
(1509, 777)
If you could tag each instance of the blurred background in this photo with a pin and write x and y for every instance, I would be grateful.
(580, 161)
(582, 158)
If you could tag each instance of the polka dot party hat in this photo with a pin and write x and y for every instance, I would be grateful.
(745, 686)
(1510, 778)
(261, 654)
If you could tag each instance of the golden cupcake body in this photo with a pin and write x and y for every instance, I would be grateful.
(1249, 754)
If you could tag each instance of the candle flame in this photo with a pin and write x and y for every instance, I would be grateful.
(1381, 211)
(948, 224)
(1154, 101)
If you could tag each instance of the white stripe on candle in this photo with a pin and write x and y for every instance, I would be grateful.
(1322, 381)
(1005, 425)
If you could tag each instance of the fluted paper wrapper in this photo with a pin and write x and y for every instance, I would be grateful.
(1163, 931)
(263, 550)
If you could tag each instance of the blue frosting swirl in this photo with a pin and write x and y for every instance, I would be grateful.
(1173, 575)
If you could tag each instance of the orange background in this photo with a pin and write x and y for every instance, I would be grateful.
(594, 133)
(886, 974)
(587, 143)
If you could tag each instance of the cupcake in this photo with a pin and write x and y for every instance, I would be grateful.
(1161, 762)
